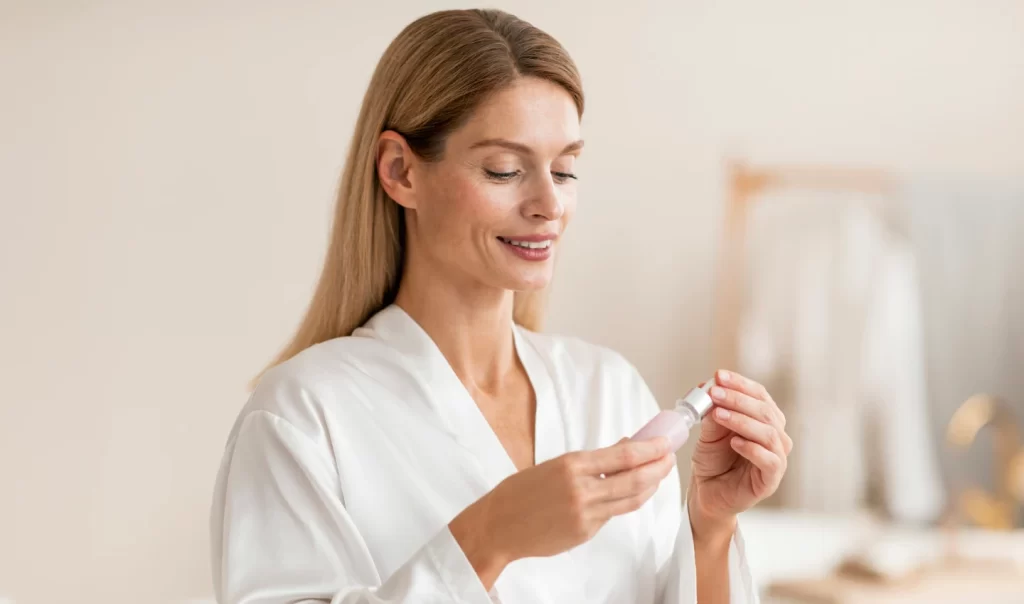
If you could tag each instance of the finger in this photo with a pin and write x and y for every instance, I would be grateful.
(630, 482)
(735, 400)
(735, 381)
(749, 428)
(625, 455)
(620, 441)
(712, 432)
(772, 466)
(626, 505)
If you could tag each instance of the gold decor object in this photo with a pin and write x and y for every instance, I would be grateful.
(993, 510)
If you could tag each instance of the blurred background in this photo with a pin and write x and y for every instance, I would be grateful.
(848, 179)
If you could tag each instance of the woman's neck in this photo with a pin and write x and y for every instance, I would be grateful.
(470, 325)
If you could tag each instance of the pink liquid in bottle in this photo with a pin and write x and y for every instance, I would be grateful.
(670, 424)
(675, 424)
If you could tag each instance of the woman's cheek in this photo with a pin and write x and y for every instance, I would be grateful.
(569, 208)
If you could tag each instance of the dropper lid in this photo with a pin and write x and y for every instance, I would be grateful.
(699, 399)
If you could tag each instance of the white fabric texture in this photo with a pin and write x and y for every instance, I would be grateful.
(348, 462)
(832, 323)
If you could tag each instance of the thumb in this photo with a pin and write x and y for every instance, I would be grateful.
(710, 430)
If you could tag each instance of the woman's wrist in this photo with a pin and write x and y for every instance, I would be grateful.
(473, 532)
(710, 531)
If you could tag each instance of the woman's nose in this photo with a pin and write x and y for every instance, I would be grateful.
(546, 203)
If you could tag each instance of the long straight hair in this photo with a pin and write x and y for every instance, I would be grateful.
(434, 74)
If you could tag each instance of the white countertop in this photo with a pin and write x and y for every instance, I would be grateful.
(787, 545)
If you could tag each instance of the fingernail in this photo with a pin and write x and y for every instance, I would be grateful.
(723, 376)
(722, 413)
(736, 441)
(717, 393)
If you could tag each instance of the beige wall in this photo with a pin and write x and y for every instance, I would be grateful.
(166, 174)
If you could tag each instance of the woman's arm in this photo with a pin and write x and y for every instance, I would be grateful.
(711, 559)
(280, 533)
(694, 567)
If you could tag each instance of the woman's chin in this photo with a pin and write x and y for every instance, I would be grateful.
(529, 283)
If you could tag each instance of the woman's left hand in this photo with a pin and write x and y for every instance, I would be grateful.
(740, 457)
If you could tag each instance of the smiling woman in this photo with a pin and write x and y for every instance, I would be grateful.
(502, 192)
(418, 440)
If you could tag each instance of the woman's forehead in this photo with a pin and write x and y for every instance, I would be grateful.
(532, 112)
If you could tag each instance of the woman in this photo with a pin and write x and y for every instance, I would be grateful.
(418, 441)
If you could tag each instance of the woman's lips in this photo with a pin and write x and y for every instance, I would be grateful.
(535, 248)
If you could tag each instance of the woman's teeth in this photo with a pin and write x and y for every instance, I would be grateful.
(533, 245)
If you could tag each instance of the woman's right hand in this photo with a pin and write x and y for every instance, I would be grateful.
(559, 504)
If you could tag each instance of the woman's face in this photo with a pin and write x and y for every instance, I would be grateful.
(492, 211)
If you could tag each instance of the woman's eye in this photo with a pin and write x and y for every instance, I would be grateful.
(502, 176)
(560, 177)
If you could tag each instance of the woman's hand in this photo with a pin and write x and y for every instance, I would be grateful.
(559, 504)
(740, 457)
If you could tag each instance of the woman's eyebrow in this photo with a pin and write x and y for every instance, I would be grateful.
(521, 148)
(573, 147)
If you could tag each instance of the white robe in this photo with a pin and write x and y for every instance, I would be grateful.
(349, 461)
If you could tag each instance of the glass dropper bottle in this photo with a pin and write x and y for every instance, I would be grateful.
(675, 424)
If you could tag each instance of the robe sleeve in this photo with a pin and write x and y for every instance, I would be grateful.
(281, 534)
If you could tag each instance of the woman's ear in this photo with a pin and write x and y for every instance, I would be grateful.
(395, 159)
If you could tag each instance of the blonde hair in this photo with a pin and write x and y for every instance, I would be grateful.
(427, 83)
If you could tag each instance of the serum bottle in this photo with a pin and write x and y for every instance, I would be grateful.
(675, 423)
